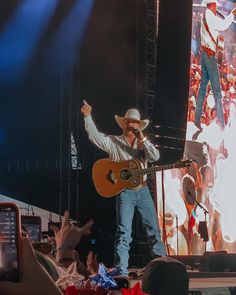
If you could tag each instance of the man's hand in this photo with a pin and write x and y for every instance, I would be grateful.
(69, 236)
(86, 109)
(234, 11)
(139, 135)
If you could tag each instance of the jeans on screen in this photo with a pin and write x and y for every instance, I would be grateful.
(126, 203)
(210, 72)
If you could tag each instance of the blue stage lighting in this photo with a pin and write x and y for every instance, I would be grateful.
(64, 48)
(20, 36)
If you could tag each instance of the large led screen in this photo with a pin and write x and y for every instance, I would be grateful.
(196, 204)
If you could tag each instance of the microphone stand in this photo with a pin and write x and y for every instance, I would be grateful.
(202, 230)
(177, 234)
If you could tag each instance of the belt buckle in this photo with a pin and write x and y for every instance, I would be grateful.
(140, 186)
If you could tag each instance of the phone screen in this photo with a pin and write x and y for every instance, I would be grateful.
(93, 245)
(9, 242)
(32, 226)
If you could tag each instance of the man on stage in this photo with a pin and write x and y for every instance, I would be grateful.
(211, 24)
(131, 144)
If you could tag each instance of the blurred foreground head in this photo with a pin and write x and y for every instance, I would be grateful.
(165, 276)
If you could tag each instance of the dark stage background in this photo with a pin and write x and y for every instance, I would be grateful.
(98, 65)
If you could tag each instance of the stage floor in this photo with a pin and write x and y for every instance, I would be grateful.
(208, 282)
(212, 279)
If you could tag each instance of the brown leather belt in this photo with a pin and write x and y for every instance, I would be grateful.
(137, 188)
(208, 51)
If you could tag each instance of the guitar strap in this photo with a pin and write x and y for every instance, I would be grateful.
(207, 29)
(141, 155)
(219, 51)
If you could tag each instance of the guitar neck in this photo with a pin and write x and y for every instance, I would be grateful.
(152, 169)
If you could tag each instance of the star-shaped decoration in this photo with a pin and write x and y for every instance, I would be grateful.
(69, 276)
(103, 278)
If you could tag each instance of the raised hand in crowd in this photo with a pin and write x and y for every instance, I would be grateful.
(92, 263)
(34, 279)
(67, 238)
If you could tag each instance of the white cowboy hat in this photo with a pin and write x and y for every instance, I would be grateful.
(132, 114)
(206, 2)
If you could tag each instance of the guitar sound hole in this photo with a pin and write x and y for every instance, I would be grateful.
(125, 174)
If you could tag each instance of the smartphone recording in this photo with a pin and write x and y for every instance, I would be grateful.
(9, 242)
(31, 226)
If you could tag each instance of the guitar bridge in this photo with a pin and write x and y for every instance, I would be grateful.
(111, 177)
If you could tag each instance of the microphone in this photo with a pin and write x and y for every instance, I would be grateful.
(198, 204)
(135, 131)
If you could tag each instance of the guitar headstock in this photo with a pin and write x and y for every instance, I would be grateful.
(183, 163)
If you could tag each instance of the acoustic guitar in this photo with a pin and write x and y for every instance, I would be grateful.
(111, 177)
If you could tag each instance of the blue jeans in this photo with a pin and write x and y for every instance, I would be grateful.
(210, 72)
(126, 203)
